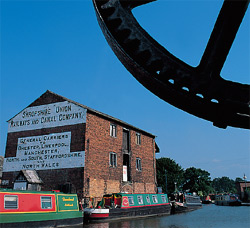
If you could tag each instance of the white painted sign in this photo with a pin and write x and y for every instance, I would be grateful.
(125, 173)
(47, 116)
(44, 152)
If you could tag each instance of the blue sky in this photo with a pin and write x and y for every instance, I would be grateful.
(58, 45)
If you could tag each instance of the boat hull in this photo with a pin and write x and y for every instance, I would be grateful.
(126, 213)
(228, 203)
(177, 208)
(45, 223)
(183, 207)
(206, 201)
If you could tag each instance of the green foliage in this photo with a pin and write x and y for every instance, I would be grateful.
(224, 184)
(174, 174)
(197, 180)
(238, 179)
(192, 179)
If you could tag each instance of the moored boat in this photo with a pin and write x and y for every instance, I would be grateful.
(193, 200)
(227, 200)
(38, 209)
(207, 200)
(124, 206)
(184, 202)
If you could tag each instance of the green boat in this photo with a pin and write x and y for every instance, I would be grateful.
(126, 206)
(38, 209)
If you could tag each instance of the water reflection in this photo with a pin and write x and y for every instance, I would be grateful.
(97, 225)
(210, 216)
(132, 223)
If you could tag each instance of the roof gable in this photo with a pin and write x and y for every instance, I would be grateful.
(31, 176)
(49, 97)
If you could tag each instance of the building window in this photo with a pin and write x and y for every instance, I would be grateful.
(138, 138)
(140, 199)
(155, 200)
(113, 130)
(46, 202)
(112, 159)
(138, 164)
(131, 200)
(10, 202)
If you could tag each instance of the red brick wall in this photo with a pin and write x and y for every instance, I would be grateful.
(99, 144)
(145, 151)
(54, 178)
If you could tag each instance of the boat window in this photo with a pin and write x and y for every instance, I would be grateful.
(148, 199)
(46, 202)
(131, 200)
(10, 202)
(155, 200)
(232, 198)
(140, 199)
(163, 198)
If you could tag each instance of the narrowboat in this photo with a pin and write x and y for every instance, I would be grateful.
(124, 206)
(184, 202)
(227, 200)
(207, 200)
(38, 209)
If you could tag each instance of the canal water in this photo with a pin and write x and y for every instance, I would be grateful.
(209, 216)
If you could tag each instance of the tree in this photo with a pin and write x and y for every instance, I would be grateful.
(197, 180)
(238, 179)
(174, 174)
(224, 184)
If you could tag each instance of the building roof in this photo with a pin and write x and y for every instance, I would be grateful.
(32, 176)
(243, 182)
(61, 98)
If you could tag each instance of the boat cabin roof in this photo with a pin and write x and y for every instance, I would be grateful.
(28, 191)
(131, 194)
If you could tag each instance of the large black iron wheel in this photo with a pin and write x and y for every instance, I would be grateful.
(200, 90)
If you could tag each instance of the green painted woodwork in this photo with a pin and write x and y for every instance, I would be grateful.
(147, 199)
(24, 217)
(67, 202)
(66, 208)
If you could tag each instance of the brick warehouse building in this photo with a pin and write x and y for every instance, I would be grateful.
(73, 148)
